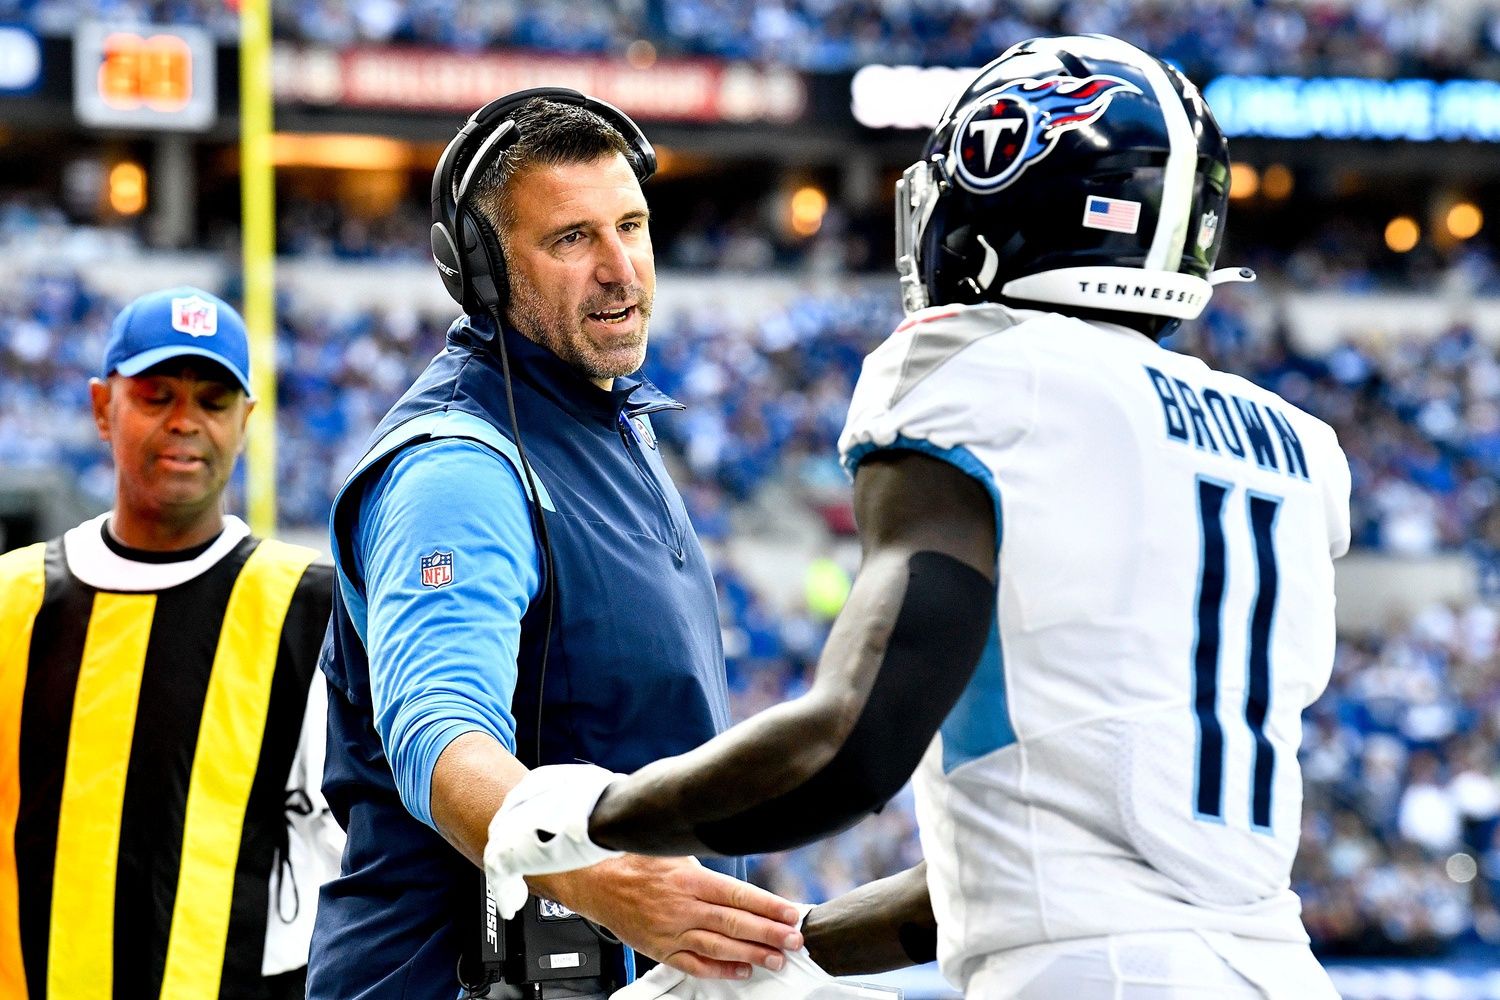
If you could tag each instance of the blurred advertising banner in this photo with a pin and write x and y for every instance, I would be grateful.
(1342, 108)
(907, 97)
(1409, 110)
(404, 79)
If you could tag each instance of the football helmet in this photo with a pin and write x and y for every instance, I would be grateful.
(1075, 171)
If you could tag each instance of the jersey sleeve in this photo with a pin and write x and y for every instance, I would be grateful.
(1336, 498)
(954, 385)
(445, 545)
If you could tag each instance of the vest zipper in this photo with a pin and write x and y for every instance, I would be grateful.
(632, 447)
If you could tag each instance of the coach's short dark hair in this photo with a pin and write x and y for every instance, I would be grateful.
(551, 134)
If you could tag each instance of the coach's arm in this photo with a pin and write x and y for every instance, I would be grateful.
(442, 664)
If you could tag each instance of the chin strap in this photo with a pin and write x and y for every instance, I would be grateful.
(1227, 275)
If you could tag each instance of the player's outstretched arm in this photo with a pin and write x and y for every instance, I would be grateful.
(899, 656)
(673, 909)
(880, 926)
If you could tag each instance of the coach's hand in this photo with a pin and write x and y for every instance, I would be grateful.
(671, 909)
(543, 828)
(800, 979)
(683, 915)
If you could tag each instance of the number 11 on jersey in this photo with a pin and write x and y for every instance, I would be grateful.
(1208, 792)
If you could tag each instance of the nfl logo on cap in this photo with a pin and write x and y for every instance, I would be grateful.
(181, 322)
(195, 316)
(437, 569)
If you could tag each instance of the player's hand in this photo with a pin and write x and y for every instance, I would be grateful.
(684, 915)
(801, 978)
(543, 828)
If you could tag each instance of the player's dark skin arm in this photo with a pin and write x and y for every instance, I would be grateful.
(877, 927)
(928, 532)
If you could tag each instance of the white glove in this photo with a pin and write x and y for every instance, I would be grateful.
(543, 827)
(799, 979)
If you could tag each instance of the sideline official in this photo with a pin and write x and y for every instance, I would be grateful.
(161, 716)
(489, 608)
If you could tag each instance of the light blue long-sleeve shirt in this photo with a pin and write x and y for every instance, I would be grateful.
(443, 658)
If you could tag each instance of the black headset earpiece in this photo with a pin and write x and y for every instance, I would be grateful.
(465, 248)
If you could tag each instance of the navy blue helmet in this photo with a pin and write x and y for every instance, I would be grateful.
(1076, 171)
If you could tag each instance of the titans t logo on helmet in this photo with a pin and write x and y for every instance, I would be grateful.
(1014, 126)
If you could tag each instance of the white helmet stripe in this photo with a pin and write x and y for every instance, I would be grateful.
(1115, 289)
(1182, 157)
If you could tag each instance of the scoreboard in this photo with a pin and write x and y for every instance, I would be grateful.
(144, 77)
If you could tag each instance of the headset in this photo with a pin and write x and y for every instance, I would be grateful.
(469, 258)
(465, 246)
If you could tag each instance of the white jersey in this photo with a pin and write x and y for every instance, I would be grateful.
(1125, 758)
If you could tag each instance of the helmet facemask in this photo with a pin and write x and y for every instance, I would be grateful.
(917, 194)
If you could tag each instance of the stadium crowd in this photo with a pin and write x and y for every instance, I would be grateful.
(1302, 37)
(766, 396)
(1401, 836)
(1342, 254)
(1402, 844)
(1373, 38)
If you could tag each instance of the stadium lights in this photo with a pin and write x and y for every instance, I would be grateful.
(809, 204)
(1464, 220)
(127, 188)
(334, 151)
(1276, 182)
(20, 60)
(1244, 181)
(1461, 868)
(668, 161)
(1402, 234)
(640, 54)
(370, 194)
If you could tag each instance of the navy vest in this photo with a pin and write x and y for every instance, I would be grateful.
(635, 671)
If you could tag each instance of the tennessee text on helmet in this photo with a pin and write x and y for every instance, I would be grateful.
(1075, 171)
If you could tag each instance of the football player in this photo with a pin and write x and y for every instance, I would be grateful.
(1097, 589)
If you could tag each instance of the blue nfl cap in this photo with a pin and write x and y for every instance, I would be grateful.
(175, 323)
